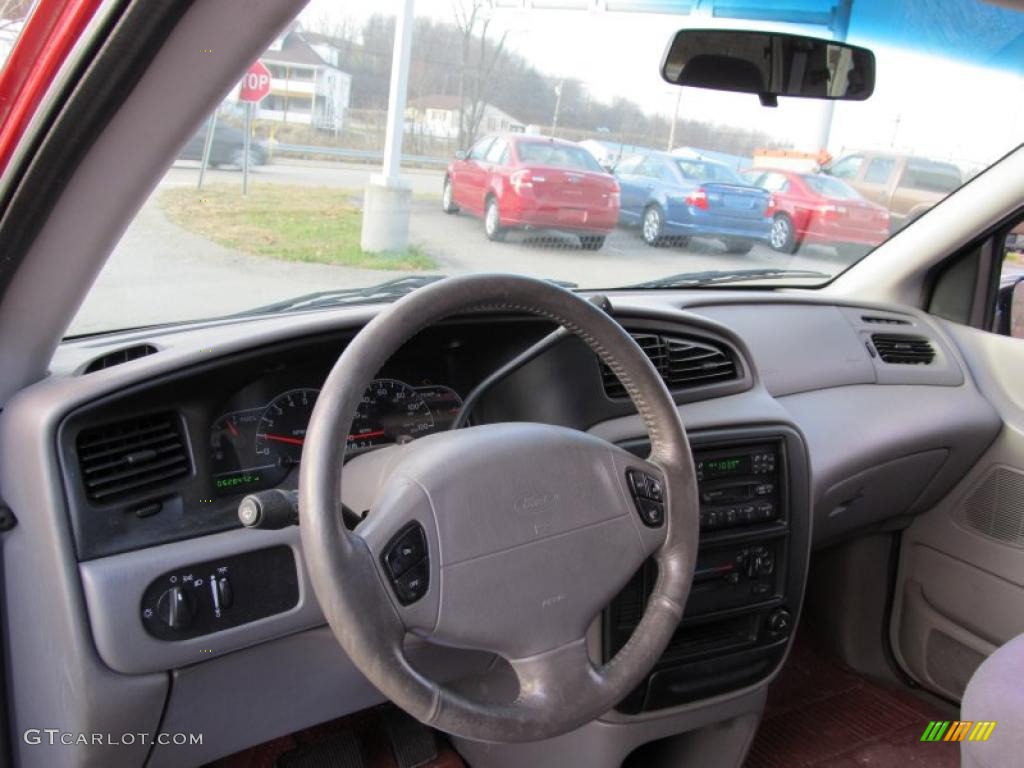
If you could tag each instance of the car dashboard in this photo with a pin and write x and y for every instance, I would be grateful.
(800, 439)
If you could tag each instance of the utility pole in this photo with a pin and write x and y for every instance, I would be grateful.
(895, 130)
(558, 105)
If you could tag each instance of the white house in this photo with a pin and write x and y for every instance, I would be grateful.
(438, 117)
(307, 85)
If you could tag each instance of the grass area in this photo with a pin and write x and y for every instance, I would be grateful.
(291, 223)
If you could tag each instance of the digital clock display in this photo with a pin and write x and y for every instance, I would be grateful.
(724, 467)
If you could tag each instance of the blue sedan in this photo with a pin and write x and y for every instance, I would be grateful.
(672, 198)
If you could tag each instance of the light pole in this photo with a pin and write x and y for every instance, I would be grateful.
(387, 198)
(675, 119)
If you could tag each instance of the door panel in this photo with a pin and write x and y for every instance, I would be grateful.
(960, 586)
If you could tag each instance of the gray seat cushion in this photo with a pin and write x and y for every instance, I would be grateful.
(996, 693)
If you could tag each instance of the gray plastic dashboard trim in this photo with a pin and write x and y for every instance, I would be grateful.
(114, 587)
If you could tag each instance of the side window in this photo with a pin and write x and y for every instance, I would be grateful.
(630, 165)
(479, 150)
(498, 151)
(775, 182)
(879, 170)
(848, 167)
(1009, 319)
(934, 177)
(651, 167)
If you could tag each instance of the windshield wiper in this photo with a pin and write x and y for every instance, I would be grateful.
(720, 276)
(375, 294)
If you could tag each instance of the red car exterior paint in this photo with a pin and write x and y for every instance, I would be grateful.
(538, 182)
(52, 29)
(823, 210)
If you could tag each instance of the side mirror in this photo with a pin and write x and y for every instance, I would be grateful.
(461, 154)
(1009, 318)
(608, 165)
(769, 64)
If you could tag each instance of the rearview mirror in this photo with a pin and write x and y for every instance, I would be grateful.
(769, 64)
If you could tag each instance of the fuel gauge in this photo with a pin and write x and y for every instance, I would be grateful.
(233, 462)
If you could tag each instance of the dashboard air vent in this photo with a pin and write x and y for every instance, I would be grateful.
(110, 359)
(682, 363)
(901, 349)
(127, 457)
(879, 320)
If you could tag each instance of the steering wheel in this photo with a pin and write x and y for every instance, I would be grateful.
(507, 538)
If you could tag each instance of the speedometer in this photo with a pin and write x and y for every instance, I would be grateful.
(282, 427)
(390, 411)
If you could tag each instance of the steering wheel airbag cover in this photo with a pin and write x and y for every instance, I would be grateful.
(560, 688)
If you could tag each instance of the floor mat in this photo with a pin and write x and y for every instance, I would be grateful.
(820, 714)
(368, 729)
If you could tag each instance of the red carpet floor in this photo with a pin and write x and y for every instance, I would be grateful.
(367, 728)
(820, 714)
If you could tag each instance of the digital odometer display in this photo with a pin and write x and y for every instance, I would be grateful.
(724, 467)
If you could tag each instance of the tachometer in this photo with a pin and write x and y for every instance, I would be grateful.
(282, 427)
(390, 411)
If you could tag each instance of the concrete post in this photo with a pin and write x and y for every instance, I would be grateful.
(840, 25)
(387, 198)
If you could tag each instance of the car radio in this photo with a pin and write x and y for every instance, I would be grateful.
(738, 486)
(737, 616)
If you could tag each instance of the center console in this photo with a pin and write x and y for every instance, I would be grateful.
(749, 577)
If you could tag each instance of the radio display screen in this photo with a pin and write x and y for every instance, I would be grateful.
(725, 466)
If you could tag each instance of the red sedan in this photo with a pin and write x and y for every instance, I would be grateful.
(516, 181)
(812, 208)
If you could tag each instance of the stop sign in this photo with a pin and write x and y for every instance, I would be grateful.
(256, 83)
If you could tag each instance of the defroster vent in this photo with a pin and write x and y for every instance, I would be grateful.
(123, 355)
(681, 363)
(128, 457)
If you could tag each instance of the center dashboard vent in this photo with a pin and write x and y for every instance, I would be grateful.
(682, 363)
(125, 458)
(902, 349)
(124, 355)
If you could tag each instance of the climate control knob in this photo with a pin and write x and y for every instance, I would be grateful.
(780, 621)
(176, 607)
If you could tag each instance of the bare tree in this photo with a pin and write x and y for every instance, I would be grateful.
(477, 82)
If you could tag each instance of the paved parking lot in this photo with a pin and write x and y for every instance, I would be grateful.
(160, 272)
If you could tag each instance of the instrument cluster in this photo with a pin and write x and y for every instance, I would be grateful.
(258, 447)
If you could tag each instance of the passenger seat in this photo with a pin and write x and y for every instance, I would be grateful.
(996, 693)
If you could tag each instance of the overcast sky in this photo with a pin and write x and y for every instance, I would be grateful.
(934, 106)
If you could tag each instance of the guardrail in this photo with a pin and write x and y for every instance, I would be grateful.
(358, 155)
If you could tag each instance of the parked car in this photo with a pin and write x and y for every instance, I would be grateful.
(228, 146)
(533, 182)
(673, 198)
(813, 208)
(907, 186)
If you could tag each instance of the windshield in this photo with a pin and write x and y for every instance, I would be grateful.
(541, 139)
